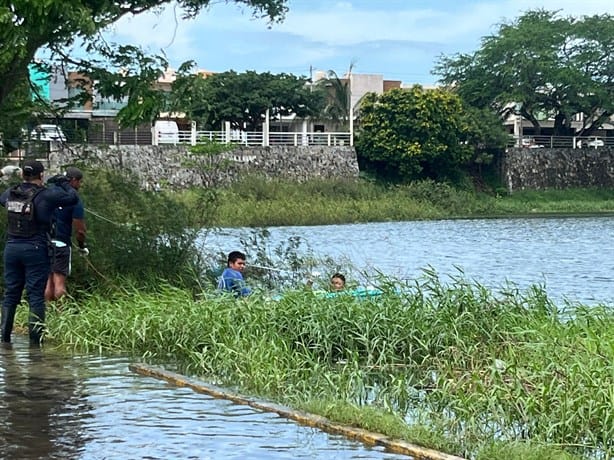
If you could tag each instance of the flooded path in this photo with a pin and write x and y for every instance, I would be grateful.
(54, 406)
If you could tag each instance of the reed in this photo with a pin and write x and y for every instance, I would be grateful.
(464, 368)
(256, 202)
(473, 371)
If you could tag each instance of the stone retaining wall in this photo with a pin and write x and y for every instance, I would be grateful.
(176, 167)
(544, 168)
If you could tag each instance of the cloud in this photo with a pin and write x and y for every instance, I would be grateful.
(444, 22)
(394, 37)
(161, 31)
(348, 22)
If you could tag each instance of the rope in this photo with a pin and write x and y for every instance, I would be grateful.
(280, 270)
(89, 263)
(102, 217)
(269, 268)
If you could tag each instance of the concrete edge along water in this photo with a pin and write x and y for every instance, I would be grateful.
(303, 418)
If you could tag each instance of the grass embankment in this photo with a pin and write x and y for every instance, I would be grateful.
(258, 203)
(454, 367)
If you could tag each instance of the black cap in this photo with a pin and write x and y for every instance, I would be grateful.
(32, 168)
(73, 173)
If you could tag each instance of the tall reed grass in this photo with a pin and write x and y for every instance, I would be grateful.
(450, 365)
(256, 202)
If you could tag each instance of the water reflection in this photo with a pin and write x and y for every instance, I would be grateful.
(84, 407)
(38, 392)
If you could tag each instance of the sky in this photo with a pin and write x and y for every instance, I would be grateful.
(399, 39)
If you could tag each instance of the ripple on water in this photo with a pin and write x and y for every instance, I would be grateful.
(58, 407)
(570, 256)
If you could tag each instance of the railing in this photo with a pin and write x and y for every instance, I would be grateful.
(561, 142)
(134, 136)
(255, 138)
(150, 136)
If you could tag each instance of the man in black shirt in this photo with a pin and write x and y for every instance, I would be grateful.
(30, 209)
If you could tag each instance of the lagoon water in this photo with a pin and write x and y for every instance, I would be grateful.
(573, 257)
(54, 406)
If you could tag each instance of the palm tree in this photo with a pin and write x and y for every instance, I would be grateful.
(338, 91)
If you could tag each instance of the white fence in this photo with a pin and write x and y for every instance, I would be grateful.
(561, 142)
(150, 136)
(254, 138)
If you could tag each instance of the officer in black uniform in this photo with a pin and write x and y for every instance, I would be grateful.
(30, 208)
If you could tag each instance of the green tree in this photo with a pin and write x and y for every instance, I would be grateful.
(57, 26)
(409, 134)
(242, 98)
(543, 65)
(18, 108)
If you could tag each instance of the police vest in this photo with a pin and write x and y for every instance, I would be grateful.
(22, 213)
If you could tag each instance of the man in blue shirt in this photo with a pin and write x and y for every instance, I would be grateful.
(30, 208)
(65, 219)
(231, 279)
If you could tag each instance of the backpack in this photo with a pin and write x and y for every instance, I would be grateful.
(21, 211)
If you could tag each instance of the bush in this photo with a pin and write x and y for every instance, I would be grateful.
(136, 234)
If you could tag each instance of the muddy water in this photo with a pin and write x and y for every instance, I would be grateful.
(54, 406)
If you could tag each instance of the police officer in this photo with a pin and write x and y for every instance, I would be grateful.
(30, 208)
(65, 219)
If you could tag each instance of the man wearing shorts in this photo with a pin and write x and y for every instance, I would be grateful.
(66, 218)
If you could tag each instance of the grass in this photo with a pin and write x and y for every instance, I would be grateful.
(259, 203)
(454, 366)
(451, 366)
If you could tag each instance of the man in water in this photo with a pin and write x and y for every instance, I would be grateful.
(231, 279)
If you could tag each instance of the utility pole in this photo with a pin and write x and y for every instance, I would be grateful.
(351, 108)
(311, 78)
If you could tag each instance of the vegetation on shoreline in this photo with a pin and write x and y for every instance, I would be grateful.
(257, 202)
(452, 366)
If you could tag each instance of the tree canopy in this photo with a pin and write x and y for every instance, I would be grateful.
(542, 65)
(59, 26)
(242, 98)
(415, 133)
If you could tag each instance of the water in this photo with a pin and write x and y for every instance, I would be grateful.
(83, 407)
(572, 257)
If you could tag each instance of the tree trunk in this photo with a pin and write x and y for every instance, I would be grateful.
(534, 121)
(562, 125)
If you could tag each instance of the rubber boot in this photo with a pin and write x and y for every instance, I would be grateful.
(8, 318)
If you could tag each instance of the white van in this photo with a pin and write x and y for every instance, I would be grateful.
(167, 132)
(48, 133)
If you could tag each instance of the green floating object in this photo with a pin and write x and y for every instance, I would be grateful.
(358, 292)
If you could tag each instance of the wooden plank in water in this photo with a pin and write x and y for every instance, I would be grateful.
(304, 418)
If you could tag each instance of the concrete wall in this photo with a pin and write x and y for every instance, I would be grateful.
(365, 83)
(175, 167)
(543, 168)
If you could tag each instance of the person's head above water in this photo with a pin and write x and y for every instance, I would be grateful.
(236, 260)
(337, 282)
